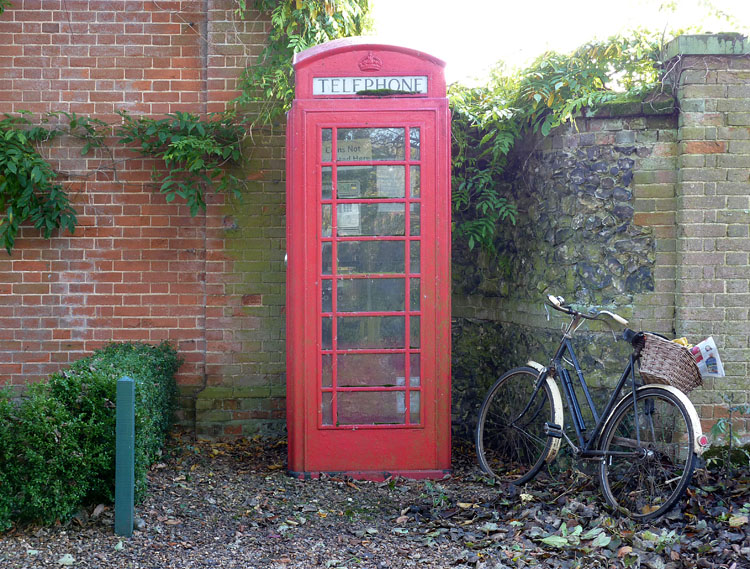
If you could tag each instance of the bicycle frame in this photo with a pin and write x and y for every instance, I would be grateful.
(586, 448)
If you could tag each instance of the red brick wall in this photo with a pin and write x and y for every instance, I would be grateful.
(137, 267)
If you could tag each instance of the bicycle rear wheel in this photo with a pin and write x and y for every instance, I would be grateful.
(510, 446)
(653, 455)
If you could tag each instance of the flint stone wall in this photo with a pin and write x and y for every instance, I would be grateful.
(646, 211)
(577, 235)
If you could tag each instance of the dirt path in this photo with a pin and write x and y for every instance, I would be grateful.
(227, 505)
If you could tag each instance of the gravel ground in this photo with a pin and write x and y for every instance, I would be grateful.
(227, 505)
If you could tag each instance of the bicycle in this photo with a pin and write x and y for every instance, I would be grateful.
(646, 441)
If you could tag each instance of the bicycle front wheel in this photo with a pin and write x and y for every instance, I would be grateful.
(649, 455)
(510, 439)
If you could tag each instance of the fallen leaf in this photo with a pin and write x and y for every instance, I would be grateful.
(400, 531)
(465, 505)
(98, 511)
(624, 550)
(172, 522)
(119, 546)
(592, 533)
(601, 540)
(737, 521)
(555, 541)
(66, 559)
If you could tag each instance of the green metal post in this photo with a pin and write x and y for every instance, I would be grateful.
(125, 457)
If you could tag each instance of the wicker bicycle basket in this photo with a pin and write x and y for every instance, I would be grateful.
(668, 363)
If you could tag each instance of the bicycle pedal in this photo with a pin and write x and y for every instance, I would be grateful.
(552, 430)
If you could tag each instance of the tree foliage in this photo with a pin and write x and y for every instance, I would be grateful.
(489, 119)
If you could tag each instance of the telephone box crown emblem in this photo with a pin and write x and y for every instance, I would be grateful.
(370, 62)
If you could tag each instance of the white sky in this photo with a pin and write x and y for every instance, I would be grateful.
(470, 35)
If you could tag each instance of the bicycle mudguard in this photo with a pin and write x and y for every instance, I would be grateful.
(700, 441)
(557, 407)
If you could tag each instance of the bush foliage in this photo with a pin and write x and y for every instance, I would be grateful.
(57, 444)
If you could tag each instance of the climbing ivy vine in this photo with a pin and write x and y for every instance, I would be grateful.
(488, 120)
(28, 190)
(29, 186)
(196, 152)
(295, 26)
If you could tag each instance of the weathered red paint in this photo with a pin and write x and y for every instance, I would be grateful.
(369, 427)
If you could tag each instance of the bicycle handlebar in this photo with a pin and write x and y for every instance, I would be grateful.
(557, 302)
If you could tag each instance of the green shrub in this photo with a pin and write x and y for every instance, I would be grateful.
(88, 389)
(59, 441)
(8, 489)
(47, 463)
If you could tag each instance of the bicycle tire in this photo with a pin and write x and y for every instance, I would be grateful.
(648, 485)
(514, 452)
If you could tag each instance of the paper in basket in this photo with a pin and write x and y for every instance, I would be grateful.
(707, 357)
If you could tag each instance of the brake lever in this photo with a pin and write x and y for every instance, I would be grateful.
(546, 309)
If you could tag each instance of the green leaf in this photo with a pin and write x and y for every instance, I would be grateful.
(555, 541)
(601, 540)
(546, 127)
(592, 533)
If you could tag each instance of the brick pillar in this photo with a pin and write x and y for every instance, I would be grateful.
(711, 78)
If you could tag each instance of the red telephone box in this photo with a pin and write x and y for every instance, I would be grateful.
(368, 277)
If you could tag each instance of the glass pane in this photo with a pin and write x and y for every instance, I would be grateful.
(414, 222)
(326, 341)
(414, 142)
(414, 257)
(414, 294)
(370, 370)
(326, 139)
(326, 372)
(327, 258)
(327, 408)
(362, 144)
(368, 257)
(414, 372)
(370, 295)
(415, 180)
(370, 219)
(326, 182)
(371, 408)
(414, 331)
(326, 223)
(363, 332)
(327, 296)
(414, 407)
(371, 182)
